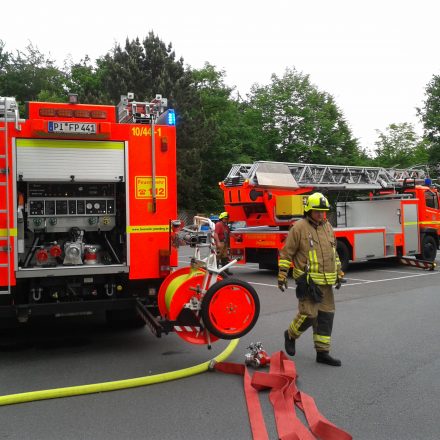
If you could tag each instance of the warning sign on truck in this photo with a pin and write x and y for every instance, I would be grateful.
(144, 187)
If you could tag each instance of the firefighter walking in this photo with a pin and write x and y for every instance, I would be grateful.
(311, 245)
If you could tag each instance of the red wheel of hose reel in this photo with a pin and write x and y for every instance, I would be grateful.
(230, 308)
(176, 291)
(163, 309)
(190, 333)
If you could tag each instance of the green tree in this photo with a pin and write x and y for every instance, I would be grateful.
(399, 146)
(86, 80)
(30, 75)
(300, 123)
(226, 134)
(145, 68)
(4, 59)
(148, 68)
(430, 117)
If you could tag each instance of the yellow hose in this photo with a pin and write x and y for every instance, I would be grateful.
(55, 393)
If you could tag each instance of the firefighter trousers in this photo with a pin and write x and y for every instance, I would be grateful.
(317, 315)
(222, 254)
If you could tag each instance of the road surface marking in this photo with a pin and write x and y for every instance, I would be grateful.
(394, 271)
(365, 282)
(392, 279)
(355, 279)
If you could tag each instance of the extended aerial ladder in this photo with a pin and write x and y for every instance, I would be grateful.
(296, 175)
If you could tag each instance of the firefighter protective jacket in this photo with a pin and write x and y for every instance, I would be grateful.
(312, 248)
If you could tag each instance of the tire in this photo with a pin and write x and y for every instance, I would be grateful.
(428, 249)
(344, 254)
(230, 308)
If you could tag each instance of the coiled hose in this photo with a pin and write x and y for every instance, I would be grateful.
(55, 393)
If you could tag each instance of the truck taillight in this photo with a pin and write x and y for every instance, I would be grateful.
(70, 113)
(65, 113)
(164, 263)
(51, 112)
(82, 114)
(98, 114)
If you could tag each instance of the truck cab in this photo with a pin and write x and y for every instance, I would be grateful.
(429, 219)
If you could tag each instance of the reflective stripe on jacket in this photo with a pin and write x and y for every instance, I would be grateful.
(312, 247)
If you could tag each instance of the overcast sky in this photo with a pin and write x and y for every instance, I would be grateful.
(375, 57)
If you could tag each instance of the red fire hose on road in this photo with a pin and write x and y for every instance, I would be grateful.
(284, 394)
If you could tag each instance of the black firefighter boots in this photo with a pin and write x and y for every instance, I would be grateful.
(323, 357)
(289, 344)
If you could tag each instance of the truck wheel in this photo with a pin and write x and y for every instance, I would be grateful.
(230, 308)
(429, 248)
(344, 254)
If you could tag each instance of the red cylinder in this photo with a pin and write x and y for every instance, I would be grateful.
(90, 256)
(55, 251)
(42, 256)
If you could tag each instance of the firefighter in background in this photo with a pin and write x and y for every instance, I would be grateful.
(311, 245)
(221, 237)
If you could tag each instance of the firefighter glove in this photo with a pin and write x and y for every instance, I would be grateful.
(282, 280)
(340, 280)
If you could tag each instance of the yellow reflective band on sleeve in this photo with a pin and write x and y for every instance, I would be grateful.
(4, 232)
(284, 264)
(147, 228)
(322, 339)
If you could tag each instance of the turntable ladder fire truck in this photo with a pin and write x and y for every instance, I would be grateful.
(398, 215)
(88, 202)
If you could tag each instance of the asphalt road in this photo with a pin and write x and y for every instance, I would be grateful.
(386, 333)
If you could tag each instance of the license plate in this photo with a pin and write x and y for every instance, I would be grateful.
(71, 127)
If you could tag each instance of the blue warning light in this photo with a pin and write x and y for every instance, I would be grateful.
(171, 117)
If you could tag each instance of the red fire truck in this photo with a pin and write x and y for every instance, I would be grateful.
(397, 216)
(87, 206)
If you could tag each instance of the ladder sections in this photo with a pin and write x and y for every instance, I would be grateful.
(296, 175)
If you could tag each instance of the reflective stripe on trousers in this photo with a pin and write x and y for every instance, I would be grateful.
(318, 315)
